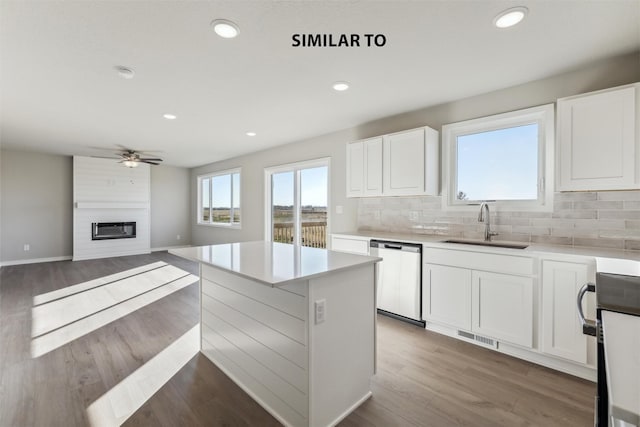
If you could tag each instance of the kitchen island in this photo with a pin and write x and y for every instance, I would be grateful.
(293, 326)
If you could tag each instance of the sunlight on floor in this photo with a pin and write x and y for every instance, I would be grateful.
(64, 315)
(123, 400)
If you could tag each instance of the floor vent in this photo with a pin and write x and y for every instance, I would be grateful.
(478, 338)
(466, 335)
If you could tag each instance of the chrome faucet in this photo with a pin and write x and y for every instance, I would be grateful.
(484, 216)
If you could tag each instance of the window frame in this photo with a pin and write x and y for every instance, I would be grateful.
(295, 167)
(199, 198)
(544, 116)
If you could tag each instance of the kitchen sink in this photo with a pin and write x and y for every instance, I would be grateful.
(491, 244)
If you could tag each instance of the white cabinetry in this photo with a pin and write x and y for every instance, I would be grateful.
(400, 164)
(355, 169)
(561, 330)
(447, 295)
(503, 307)
(351, 244)
(460, 293)
(598, 139)
(364, 168)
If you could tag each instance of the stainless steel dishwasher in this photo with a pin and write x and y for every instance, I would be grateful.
(399, 278)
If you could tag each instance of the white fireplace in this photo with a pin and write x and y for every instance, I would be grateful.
(115, 199)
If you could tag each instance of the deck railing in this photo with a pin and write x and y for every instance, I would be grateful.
(314, 234)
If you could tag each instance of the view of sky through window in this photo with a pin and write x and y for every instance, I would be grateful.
(498, 165)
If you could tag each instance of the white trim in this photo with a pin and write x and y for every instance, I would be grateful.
(351, 408)
(35, 260)
(210, 176)
(167, 248)
(295, 168)
(542, 115)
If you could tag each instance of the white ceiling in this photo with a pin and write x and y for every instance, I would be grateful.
(60, 93)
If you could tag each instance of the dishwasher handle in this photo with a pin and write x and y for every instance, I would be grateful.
(398, 246)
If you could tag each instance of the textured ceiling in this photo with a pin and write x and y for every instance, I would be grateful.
(60, 93)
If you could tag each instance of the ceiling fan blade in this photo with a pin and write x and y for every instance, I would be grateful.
(151, 163)
(150, 158)
(105, 157)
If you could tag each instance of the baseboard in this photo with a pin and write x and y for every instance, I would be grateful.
(533, 356)
(166, 248)
(35, 260)
(352, 408)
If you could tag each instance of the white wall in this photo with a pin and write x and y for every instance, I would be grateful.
(37, 205)
(105, 191)
(170, 207)
(613, 72)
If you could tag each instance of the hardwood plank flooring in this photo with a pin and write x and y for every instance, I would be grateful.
(423, 379)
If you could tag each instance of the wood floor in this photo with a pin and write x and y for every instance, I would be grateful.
(424, 379)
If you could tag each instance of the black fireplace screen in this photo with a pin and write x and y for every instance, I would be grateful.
(113, 230)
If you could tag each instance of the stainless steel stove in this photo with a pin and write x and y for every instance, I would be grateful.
(617, 290)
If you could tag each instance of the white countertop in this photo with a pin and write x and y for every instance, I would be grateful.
(274, 264)
(622, 356)
(532, 249)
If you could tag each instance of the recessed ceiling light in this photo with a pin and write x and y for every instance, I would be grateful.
(225, 28)
(510, 17)
(169, 116)
(251, 134)
(124, 72)
(340, 86)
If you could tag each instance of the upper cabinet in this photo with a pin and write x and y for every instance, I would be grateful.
(400, 164)
(364, 168)
(598, 140)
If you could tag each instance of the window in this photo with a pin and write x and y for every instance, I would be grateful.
(297, 203)
(506, 159)
(219, 198)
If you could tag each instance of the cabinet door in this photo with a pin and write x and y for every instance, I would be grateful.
(372, 167)
(446, 296)
(403, 163)
(503, 307)
(352, 245)
(355, 169)
(561, 330)
(597, 140)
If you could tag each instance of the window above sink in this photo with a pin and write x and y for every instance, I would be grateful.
(506, 159)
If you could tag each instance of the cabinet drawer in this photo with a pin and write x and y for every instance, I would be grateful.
(508, 264)
(350, 244)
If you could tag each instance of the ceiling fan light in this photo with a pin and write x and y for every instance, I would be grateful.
(130, 163)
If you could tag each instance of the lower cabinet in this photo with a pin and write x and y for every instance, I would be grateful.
(503, 307)
(561, 329)
(447, 295)
(494, 305)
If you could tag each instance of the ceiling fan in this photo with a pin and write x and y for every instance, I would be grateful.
(132, 158)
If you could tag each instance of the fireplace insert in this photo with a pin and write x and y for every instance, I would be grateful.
(113, 230)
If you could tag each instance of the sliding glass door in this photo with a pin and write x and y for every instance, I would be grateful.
(297, 203)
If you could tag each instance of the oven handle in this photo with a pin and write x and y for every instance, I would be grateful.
(588, 326)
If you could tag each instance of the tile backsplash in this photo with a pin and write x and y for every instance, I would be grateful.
(608, 219)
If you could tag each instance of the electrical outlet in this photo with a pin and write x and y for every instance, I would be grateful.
(321, 310)
(178, 237)
(413, 215)
(339, 209)
(27, 247)
(376, 215)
